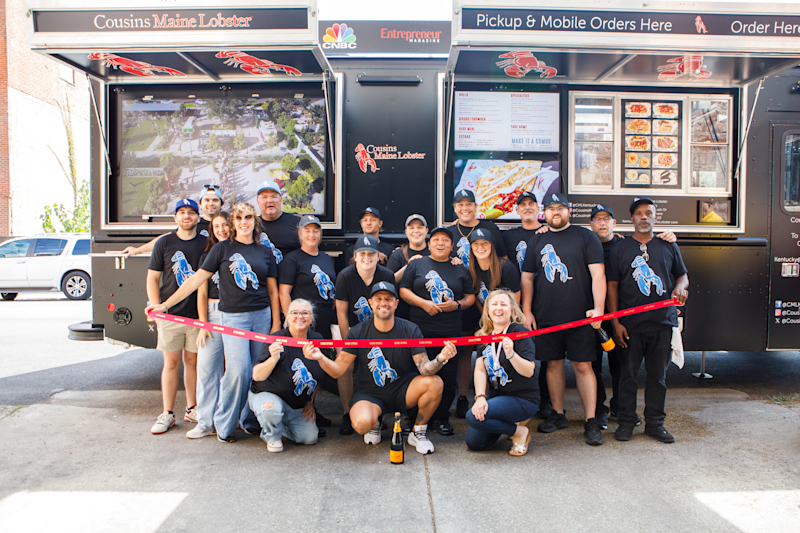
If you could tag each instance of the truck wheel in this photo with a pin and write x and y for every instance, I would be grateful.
(8, 296)
(76, 285)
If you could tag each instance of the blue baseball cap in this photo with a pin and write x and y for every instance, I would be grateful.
(366, 242)
(557, 198)
(370, 211)
(479, 234)
(383, 286)
(211, 189)
(464, 194)
(186, 203)
(639, 201)
(268, 186)
(599, 208)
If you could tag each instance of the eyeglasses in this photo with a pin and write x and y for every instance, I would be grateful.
(645, 255)
(300, 313)
(602, 219)
(552, 209)
(246, 217)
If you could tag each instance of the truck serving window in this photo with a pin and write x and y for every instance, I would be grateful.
(791, 173)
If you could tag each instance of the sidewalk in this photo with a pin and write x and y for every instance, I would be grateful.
(86, 462)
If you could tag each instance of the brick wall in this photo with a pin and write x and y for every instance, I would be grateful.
(5, 178)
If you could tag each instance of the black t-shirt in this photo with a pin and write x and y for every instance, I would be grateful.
(646, 281)
(509, 381)
(213, 283)
(397, 260)
(311, 277)
(509, 279)
(293, 378)
(351, 288)
(243, 272)
(562, 283)
(280, 235)
(607, 246)
(432, 280)
(203, 227)
(516, 241)
(461, 239)
(383, 247)
(375, 367)
(177, 260)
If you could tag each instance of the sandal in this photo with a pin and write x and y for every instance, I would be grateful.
(520, 449)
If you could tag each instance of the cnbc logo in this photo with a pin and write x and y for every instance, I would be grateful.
(339, 36)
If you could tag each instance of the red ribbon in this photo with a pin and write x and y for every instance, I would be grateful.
(395, 343)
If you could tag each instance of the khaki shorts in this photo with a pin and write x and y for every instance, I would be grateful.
(174, 337)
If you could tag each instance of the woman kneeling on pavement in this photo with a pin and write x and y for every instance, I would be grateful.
(285, 383)
(506, 393)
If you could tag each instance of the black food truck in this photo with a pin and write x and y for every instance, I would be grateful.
(694, 105)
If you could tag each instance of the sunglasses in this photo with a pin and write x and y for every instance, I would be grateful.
(645, 255)
(246, 217)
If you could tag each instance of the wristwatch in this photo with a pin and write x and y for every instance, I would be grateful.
(458, 304)
(440, 361)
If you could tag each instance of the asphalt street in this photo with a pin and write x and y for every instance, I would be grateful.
(76, 455)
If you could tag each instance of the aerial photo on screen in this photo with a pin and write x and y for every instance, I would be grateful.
(172, 148)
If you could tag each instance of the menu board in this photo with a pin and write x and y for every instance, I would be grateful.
(652, 143)
(506, 122)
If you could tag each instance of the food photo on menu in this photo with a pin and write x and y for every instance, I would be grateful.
(497, 183)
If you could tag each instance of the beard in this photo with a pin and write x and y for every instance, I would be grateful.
(563, 221)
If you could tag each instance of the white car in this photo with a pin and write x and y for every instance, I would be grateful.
(49, 261)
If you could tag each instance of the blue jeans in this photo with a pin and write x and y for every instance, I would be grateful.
(281, 420)
(240, 355)
(210, 367)
(500, 419)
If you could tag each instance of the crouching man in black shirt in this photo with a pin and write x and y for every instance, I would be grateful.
(639, 271)
(386, 380)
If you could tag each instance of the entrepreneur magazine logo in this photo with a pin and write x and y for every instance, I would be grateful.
(339, 36)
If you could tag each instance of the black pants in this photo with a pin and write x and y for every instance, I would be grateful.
(655, 348)
(449, 375)
(613, 365)
(544, 392)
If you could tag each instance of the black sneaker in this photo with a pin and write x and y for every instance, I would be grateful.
(462, 406)
(639, 422)
(443, 427)
(321, 432)
(554, 421)
(591, 430)
(346, 428)
(624, 432)
(322, 422)
(602, 418)
(659, 433)
(545, 410)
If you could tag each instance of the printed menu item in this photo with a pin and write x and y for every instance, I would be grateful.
(665, 177)
(652, 151)
(665, 161)
(665, 144)
(644, 162)
(631, 159)
(665, 127)
(665, 110)
(637, 125)
(638, 143)
(637, 109)
(635, 177)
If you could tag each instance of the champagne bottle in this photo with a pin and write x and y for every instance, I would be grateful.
(396, 450)
(605, 341)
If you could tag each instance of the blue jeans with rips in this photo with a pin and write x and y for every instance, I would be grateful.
(501, 419)
(280, 420)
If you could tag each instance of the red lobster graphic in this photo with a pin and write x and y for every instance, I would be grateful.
(687, 65)
(364, 159)
(131, 66)
(254, 65)
(700, 25)
(521, 62)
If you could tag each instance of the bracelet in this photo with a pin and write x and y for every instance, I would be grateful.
(458, 304)
(480, 396)
(512, 356)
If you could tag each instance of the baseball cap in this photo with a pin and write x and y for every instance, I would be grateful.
(442, 229)
(479, 234)
(186, 203)
(212, 189)
(414, 217)
(305, 220)
(599, 208)
(383, 286)
(639, 201)
(268, 186)
(464, 194)
(557, 198)
(370, 210)
(527, 194)
(366, 242)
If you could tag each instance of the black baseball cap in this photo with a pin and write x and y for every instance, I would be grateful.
(441, 229)
(371, 211)
(479, 234)
(639, 201)
(464, 194)
(527, 194)
(383, 286)
(599, 208)
(366, 242)
(557, 198)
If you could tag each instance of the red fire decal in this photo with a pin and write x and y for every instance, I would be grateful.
(520, 62)
(364, 159)
(687, 65)
(131, 66)
(254, 65)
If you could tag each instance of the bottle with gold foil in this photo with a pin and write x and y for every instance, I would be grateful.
(397, 449)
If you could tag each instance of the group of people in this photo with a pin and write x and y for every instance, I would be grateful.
(247, 270)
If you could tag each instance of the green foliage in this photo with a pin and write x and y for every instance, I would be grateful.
(291, 142)
(272, 140)
(288, 163)
(298, 192)
(168, 162)
(239, 142)
(56, 218)
(213, 143)
(225, 109)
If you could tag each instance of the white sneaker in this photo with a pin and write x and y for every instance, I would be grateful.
(275, 447)
(419, 439)
(374, 435)
(199, 433)
(165, 421)
(190, 415)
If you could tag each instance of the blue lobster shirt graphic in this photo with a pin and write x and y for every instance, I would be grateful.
(645, 277)
(380, 367)
(215, 279)
(204, 232)
(552, 264)
(483, 293)
(493, 367)
(323, 282)
(437, 287)
(362, 309)
(263, 239)
(522, 247)
(302, 378)
(181, 267)
(462, 251)
(242, 272)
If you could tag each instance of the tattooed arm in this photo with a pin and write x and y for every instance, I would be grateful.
(427, 367)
